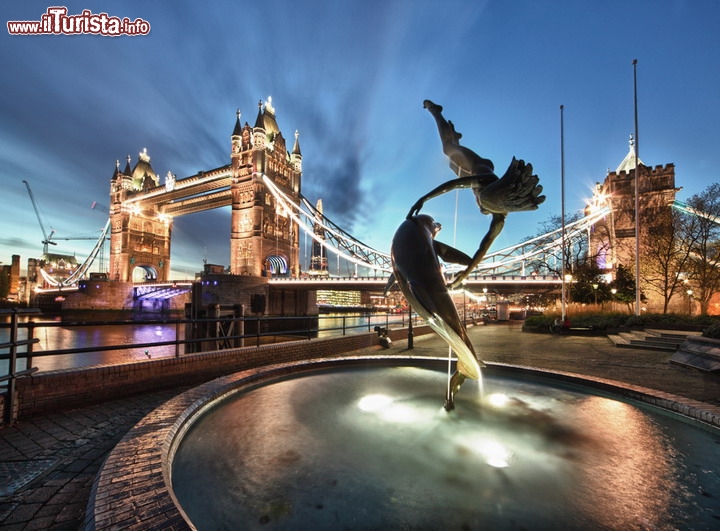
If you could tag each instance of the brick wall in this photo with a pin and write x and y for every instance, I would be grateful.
(64, 389)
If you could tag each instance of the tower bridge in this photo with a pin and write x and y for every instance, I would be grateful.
(262, 238)
(262, 186)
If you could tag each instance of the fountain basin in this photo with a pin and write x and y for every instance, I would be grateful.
(269, 448)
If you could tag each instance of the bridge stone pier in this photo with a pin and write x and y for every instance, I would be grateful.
(264, 240)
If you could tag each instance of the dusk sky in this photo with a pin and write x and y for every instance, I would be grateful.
(351, 77)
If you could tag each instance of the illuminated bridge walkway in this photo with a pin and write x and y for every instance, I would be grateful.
(498, 284)
(161, 291)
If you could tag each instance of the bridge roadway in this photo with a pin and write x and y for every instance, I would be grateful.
(499, 284)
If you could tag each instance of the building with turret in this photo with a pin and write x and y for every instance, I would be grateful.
(140, 233)
(264, 240)
(10, 286)
(612, 240)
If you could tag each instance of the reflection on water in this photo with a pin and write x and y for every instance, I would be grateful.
(66, 337)
(374, 449)
(95, 336)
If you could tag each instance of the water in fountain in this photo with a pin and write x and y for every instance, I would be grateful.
(373, 448)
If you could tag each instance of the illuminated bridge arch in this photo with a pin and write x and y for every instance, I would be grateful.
(277, 265)
(144, 273)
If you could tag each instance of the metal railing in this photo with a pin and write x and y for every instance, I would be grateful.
(12, 373)
(197, 335)
(190, 336)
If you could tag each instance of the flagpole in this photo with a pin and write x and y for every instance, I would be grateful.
(637, 196)
(562, 201)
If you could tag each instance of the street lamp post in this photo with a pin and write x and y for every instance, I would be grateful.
(563, 301)
(637, 195)
(689, 294)
(464, 312)
(566, 288)
(595, 288)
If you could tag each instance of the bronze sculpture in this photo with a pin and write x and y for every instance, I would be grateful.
(416, 254)
(416, 269)
(518, 190)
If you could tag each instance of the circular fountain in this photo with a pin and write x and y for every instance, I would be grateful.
(369, 446)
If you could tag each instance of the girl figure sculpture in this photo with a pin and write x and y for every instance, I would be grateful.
(516, 191)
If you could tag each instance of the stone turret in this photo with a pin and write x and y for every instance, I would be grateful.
(296, 156)
(259, 129)
(612, 239)
(143, 175)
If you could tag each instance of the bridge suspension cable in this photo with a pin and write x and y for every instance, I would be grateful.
(345, 246)
(683, 207)
(509, 259)
(84, 267)
(506, 260)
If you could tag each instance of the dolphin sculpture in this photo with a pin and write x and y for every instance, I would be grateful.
(416, 268)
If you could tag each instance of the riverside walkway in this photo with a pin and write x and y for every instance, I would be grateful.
(48, 462)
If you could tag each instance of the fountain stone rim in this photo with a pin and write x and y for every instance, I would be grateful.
(138, 471)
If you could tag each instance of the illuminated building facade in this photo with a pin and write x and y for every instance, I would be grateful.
(612, 240)
(264, 240)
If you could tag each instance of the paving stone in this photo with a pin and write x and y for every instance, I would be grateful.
(40, 523)
(16, 474)
(22, 513)
(41, 494)
(6, 508)
(73, 512)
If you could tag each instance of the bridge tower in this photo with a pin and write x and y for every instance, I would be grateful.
(612, 240)
(140, 234)
(264, 240)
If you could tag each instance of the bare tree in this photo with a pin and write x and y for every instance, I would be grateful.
(575, 251)
(704, 258)
(666, 237)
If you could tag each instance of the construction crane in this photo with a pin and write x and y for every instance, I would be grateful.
(47, 238)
